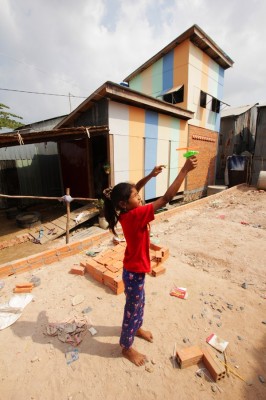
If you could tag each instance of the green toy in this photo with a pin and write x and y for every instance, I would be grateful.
(190, 153)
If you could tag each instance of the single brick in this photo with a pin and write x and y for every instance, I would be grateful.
(112, 268)
(77, 270)
(108, 276)
(189, 356)
(216, 369)
(154, 247)
(159, 270)
(22, 290)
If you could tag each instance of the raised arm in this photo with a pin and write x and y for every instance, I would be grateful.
(189, 165)
(156, 171)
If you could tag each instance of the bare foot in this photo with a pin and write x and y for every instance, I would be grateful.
(146, 335)
(134, 356)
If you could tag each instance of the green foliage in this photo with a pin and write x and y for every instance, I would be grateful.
(6, 118)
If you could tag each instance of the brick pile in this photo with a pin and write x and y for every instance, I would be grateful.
(15, 241)
(107, 268)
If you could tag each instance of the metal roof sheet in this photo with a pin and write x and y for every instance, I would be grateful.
(234, 111)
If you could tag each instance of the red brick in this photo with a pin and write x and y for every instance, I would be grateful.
(77, 270)
(108, 276)
(6, 270)
(189, 356)
(97, 273)
(165, 253)
(22, 290)
(76, 246)
(90, 265)
(154, 247)
(216, 369)
(116, 289)
(35, 265)
(21, 269)
(86, 243)
(51, 259)
(36, 258)
(112, 268)
(118, 282)
(154, 264)
(62, 250)
(159, 270)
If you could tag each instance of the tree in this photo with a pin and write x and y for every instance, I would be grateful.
(6, 118)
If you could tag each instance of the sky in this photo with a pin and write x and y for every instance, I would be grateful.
(72, 47)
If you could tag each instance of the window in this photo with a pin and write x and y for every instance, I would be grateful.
(216, 105)
(203, 99)
(175, 95)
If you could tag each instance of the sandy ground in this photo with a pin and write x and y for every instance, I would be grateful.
(214, 249)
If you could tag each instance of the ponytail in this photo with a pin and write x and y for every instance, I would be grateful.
(112, 198)
(110, 214)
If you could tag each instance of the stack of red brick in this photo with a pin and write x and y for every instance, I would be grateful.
(107, 267)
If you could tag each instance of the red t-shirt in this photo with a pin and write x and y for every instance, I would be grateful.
(137, 235)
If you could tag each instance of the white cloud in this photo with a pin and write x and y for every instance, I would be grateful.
(63, 47)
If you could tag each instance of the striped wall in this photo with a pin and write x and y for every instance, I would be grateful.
(143, 139)
(206, 75)
(185, 65)
(164, 74)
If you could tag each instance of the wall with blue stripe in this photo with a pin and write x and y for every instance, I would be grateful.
(143, 139)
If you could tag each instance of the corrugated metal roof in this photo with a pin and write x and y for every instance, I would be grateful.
(234, 111)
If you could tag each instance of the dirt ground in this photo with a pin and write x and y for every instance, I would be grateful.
(215, 249)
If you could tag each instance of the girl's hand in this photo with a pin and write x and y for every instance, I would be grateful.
(157, 170)
(190, 164)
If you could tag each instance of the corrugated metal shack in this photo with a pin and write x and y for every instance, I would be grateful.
(37, 162)
(259, 158)
(31, 169)
(239, 136)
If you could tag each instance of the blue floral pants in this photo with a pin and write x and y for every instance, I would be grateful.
(134, 307)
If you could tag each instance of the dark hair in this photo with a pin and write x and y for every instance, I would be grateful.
(120, 192)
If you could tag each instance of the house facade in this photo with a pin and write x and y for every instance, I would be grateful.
(172, 101)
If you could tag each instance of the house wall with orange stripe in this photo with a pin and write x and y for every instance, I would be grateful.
(143, 139)
(185, 65)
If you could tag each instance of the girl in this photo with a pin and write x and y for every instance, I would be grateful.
(122, 203)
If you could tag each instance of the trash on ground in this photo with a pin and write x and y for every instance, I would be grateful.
(71, 331)
(72, 354)
(12, 310)
(36, 281)
(93, 252)
(216, 342)
(92, 330)
(86, 310)
(77, 299)
(179, 292)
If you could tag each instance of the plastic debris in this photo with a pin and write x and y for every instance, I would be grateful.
(77, 299)
(179, 292)
(72, 354)
(36, 281)
(92, 330)
(11, 311)
(216, 342)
